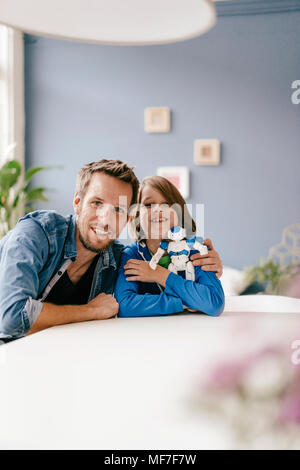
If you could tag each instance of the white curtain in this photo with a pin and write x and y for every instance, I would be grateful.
(12, 114)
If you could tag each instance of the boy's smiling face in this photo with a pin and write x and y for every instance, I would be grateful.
(156, 215)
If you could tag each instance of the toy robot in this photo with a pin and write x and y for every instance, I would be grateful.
(179, 250)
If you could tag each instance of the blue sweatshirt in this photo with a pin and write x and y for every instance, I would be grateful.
(141, 299)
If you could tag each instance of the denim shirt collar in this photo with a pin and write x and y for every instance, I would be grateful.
(108, 259)
(70, 250)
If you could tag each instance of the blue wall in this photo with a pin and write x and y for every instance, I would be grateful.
(86, 101)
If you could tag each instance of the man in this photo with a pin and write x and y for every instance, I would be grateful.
(56, 270)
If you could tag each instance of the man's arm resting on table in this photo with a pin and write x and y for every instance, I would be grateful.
(101, 307)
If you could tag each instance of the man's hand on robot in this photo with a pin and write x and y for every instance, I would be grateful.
(211, 261)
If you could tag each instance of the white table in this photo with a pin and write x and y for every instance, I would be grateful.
(124, 383)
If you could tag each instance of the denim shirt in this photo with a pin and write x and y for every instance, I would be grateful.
(33, 256)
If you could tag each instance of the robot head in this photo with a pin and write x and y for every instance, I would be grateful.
(176, 233)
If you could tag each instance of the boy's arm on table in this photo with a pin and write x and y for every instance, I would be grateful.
(133, 304)
(204, 294)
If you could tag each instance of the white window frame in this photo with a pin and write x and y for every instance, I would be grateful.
(12, 112)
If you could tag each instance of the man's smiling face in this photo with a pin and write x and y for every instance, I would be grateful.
(102, 213)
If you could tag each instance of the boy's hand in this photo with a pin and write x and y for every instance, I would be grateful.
(209, 262)
(138, 270)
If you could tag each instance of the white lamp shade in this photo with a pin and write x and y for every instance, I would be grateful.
(132, 22)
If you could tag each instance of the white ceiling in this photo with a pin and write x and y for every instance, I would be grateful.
(111, 21)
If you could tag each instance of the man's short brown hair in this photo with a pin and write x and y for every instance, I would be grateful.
(115, 168)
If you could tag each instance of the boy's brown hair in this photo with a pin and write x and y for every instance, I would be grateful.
(172, 197)
(115, 168)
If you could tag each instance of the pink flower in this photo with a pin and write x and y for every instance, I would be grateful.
(290, 409)
(229, 375)
(225, 376)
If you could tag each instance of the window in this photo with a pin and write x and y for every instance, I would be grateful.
(3, 91)
(12, 120)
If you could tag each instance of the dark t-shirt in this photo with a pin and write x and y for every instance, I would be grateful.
(64, 292)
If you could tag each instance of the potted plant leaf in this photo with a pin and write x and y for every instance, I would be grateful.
(16, 194)
(272, 275)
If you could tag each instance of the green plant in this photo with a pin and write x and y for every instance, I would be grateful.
(16, 195)
(272, 274)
